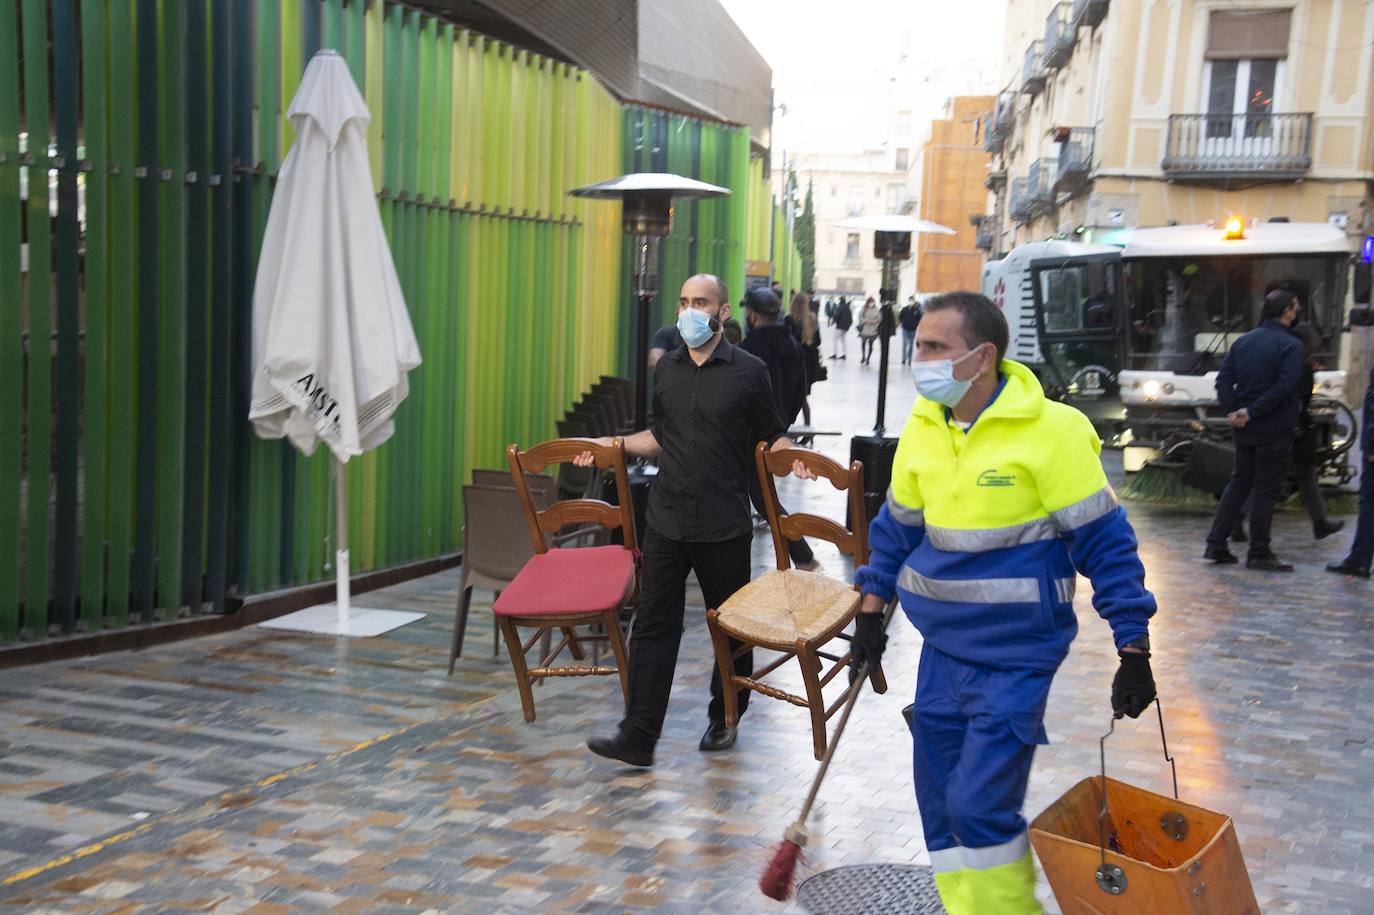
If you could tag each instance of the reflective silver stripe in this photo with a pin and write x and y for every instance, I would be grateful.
(997, 855)
(1064, 588)
(955, 540)
(1085, 511)
(947, 860)
(971, 591)
(911, 517)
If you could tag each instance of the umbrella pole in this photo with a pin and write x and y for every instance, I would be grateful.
(341, 542)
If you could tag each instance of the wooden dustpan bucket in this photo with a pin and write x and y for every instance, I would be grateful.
(1109, 848)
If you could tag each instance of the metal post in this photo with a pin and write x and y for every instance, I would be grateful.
(887, 296)
(341, 583)
(645, 283)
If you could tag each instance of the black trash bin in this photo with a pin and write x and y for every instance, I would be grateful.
(876, 452)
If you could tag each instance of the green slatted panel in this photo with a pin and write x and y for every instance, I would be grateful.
(11, 346)
(171, 355)
(39, 405)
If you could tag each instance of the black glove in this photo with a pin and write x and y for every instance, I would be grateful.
(868, 643)
(1133, 687)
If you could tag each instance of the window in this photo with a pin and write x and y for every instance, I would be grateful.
(834, 189)
(903, 156)
(856, 200)
(850, 284)
(851, 248)
(1246, 51)
(894, 197)
(903, 123)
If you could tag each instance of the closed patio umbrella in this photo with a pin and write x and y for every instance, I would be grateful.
(332, 340)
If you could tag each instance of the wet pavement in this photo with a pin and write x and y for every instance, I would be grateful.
(270, 772)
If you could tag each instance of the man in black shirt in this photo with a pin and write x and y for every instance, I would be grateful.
(712, 403)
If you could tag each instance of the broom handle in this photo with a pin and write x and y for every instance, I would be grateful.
(854, 689)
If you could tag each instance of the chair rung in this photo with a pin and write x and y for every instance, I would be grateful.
(760, 674)
(571, 671)
(772, 691)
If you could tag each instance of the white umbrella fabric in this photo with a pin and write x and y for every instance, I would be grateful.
(332, 340)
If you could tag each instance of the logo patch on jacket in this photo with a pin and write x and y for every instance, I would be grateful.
(994, 477)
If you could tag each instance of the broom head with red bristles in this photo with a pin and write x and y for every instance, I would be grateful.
(780, 874)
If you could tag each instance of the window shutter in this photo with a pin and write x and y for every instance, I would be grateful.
(1242, 34)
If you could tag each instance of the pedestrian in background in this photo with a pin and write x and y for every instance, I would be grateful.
(909, 318)
(870, 320)
(1257, 388)
(843, 320)
(1361, 554)
(801, 321)
(1305, 445)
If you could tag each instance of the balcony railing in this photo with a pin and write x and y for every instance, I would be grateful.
(995, 179)
(1001, 123)
(1075, 158)
(1040, 186)
(1033, 71)
(1089, 13)
(1059, 36)
(1244, 148)
(1020, 201)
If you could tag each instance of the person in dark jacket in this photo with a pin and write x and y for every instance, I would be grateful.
(1258, 391)
(843, 319)
(910, 318)
(1361, 554)
(801, 321)
(771, 341)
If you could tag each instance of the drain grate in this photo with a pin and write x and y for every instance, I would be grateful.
(871, 889)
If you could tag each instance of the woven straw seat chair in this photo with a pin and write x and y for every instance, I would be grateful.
(790, 611)
(565, 588)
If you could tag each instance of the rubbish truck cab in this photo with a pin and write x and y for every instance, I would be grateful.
(1191, 292)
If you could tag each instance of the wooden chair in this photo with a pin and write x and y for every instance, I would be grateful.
(790, 611)
(496, 543)
(564, 588)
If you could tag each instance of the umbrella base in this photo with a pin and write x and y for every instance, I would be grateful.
(360, 623)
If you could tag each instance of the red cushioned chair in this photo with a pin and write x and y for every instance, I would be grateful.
(563, 588)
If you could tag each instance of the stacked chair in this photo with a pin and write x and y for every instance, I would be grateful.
(790, 611)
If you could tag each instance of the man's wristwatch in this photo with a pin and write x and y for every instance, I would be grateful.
(1140, 644)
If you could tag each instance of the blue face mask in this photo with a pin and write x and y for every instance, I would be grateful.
(935, 380)
(695, 327)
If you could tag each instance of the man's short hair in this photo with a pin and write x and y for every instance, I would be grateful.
(722, 291)
(983, 321)
(1276, 303)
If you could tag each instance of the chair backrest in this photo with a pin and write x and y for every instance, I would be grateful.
(496, 541)
(849, 479)
(573, 428)
(623, 400)
(598, 413)
(573, 511)
(610, 404)
(542, 486)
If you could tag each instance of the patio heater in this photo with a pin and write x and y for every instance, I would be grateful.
(647, 198)
(891, 245)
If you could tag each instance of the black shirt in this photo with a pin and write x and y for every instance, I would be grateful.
(707, 419)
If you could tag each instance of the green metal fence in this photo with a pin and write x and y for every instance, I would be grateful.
(131, 486)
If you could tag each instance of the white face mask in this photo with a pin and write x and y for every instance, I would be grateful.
(935, 379)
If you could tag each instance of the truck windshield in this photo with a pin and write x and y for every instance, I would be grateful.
(1185, 312)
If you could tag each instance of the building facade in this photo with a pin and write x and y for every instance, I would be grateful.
(843, 187)
(1123, 113)
(948, 175)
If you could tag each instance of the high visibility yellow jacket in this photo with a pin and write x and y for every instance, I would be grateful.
(984, 531)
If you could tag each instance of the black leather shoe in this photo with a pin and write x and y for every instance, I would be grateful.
(719, 736)
(1270, 563)
(622, 748)
(1326, 528)
(1220, 555)
(1348, 568)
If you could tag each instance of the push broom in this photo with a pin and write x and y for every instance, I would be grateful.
(780, 874)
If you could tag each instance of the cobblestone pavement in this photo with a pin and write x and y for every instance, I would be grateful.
(268, 772)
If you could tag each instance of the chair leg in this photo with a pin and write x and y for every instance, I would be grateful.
(517, 658)
(574, 645)
(460, 625)
(815, 698)
(495, 630)
(622, 657)
(725, 662)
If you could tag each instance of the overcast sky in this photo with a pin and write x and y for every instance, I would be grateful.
(833, 60)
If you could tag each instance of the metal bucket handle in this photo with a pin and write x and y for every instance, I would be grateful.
(1111, 878)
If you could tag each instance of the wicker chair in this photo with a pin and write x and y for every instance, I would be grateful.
(565, 588)
(791, 611)
(495, 542)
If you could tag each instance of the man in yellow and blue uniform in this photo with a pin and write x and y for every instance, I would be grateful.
(998, 501)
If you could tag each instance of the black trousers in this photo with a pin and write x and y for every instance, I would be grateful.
(722, 569)
(1258, 475)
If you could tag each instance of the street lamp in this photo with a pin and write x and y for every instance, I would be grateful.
(647, 198)
(891, 245)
